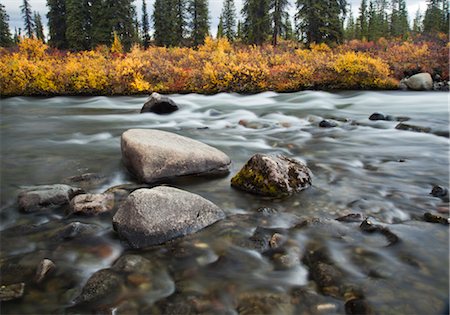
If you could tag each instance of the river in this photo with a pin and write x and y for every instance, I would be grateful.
(360, 166)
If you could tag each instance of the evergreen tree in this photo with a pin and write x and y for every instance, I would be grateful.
(350, 29)
(362, 23)
(76, 30)
(229, 19)
(160, 23)
(256, 27)
(288, 31)
(432, 21)
(220, 28)
(378, 20)
(38, 27)
(169, 22)
(320, 21)
(145, 26)
(199, 21)
(180, 22)
(417, 23)
(57, 23)
(27, 18)
(399, 19)
(279, 15)
(445, 17)
(239, 31)
(16, 37)
(5, 34)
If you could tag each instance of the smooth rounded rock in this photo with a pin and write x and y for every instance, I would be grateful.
(273, 176)
(159, 104)
(420, 82)
(154, 216)
(92, 204)
(153, 155)
(42, 197)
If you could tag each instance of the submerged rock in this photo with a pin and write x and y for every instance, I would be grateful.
(12, 291)
(327, 124)
(420, 82)
(103, 285)
(153, 155)
(47, 196)
(380, 116)
(86, 181)
(273, 176)
(409, 127)
(369, 227)
(43, 269)
(435, 219)
(92, 204)
(440, 192)
(155, 216)
(159, 104)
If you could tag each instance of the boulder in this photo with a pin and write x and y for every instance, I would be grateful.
(47, 196)
(273, 176)
(153, 155)
(420, 82)
(103, 285)
(92, 204)
(154, 216)
(159, 104)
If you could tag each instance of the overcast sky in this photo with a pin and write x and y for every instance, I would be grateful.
(215, 7)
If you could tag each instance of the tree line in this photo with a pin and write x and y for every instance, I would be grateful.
(86, 24)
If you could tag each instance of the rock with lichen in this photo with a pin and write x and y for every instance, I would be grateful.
(272, 176)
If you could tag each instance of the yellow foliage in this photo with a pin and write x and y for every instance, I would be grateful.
(116, 46)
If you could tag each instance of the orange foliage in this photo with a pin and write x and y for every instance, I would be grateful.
(217, 66)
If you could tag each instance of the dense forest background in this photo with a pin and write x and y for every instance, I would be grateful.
(86, 24)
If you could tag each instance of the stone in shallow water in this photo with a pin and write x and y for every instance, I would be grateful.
(273, 176)
(154, 216)
(92, 204)
(12, 291)
(159, 104)
(47, 196)
(153, 155)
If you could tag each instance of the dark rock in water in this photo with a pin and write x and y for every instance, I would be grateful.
(409, 127)
(11, 291)
(153, 155)
(369, 227)
(155, 216)
(263, 303)
(440, 192)
(74, 230)
(357, 306)
(435, 219)
(86, 181)
(327, 124)
(273, 176)
(92, 204)
(44, 268)
(352, 217)
(103, 285)
(132, 263)
(159, 104)
(121, 192)
(381, 116)
(267, 212)
(48, 196)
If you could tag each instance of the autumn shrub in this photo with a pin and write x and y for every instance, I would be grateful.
(217, 66)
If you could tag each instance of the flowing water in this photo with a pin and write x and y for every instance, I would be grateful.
(360, 166)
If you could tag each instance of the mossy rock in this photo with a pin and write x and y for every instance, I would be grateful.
(272, 176)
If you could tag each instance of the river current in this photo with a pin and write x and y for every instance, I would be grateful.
(359, 166)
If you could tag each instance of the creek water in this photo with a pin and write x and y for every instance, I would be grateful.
(360, 166)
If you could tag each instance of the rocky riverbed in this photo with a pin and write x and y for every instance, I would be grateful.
(365, 232)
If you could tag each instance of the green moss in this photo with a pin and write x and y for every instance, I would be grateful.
(253, 181)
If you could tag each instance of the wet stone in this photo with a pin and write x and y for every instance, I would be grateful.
(45, 267)
(102, 287)
(440, 192)
(11, 291)
(92, 204)
(429, 217)
(86, 181)
(159, 104)
(132, 263)
(327, 124)
(415, 128)
(352, 217)
(74, 230)
(38, 198)
(357, 307)
(369, 227)
(381, 116)
(263, 303)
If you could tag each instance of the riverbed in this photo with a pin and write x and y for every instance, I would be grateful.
(359, 166)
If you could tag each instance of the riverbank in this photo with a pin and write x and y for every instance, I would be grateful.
(217, 66)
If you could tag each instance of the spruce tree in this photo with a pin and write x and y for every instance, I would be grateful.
(220, 28)
(256, 27)
(350, 28)
(288, 31)
(180, 22)
(432, 21)
(417, 22)
(27, 18)
(320, 21)
(362, 24)
(239, 31)
(16, 37)
(5, 34)
(145, 26)
(399, 19)
(160, 24)
(229, 19)
(279, 15)
(57, 23)
(76, 31)
(199, 21)
(38, 27)
(445, 17)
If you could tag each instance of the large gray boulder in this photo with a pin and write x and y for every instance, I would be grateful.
(46, 196)
(153, 155)
(154, 216)
(159, 104)
(420, 82)
(272, 176)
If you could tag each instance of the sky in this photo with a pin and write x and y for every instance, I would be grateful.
(215, 7)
